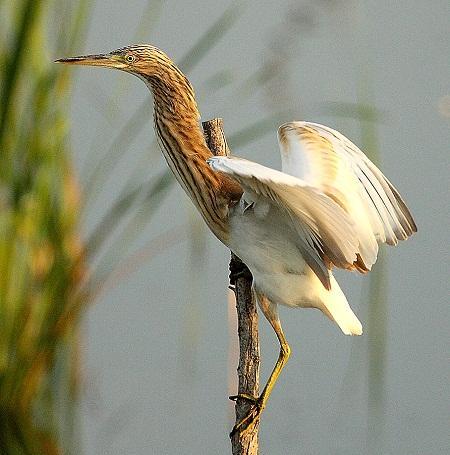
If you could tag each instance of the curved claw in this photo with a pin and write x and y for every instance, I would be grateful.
(251, 418)
(244, 396)
(239, 270)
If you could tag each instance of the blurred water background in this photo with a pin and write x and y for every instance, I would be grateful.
(153, 366)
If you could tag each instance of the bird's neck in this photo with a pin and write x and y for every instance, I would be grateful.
(184, 148)
(176, 115)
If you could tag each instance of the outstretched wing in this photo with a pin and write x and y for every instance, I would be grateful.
(327, 160)
(325, 232)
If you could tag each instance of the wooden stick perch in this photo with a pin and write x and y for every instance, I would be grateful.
(241, 282)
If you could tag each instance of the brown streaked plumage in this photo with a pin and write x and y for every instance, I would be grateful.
(176, 121)
(330, 207)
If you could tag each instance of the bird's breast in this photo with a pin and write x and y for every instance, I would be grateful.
(267, 246)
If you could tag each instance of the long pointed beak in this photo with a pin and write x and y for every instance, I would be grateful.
(107, 60)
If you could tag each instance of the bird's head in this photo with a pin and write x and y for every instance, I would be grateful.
(141, 60)
(171, 88)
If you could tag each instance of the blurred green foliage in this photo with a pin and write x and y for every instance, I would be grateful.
(41, 254)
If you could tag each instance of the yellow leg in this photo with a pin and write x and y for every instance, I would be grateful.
(270, 312)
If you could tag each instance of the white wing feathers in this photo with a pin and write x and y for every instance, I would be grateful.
(328, 161)
(326, 232)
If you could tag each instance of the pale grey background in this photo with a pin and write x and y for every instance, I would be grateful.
(156, 346)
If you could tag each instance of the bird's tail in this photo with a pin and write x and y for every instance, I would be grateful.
(336, 307)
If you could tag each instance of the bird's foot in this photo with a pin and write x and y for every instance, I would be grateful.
(244, 396)
(253, 414)
(239, 270)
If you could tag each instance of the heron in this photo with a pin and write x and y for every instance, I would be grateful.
(329, 207)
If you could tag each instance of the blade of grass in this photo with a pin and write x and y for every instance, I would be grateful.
(376, 297)
(121, 207)
(256, 130)
(125, 137)
(12, 70)
(190, 335)
(151, 200)
(102, 284)
(358, 111)
(149, 19)
(212, 36)
(377, 352)
(219, 80)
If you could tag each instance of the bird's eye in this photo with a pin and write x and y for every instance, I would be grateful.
(130, 58)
